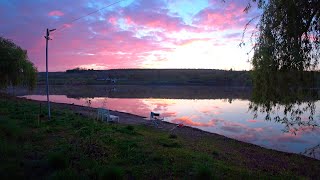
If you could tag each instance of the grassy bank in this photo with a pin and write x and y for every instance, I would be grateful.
(73, 146)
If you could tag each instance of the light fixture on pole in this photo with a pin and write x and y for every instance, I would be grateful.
(47, 76)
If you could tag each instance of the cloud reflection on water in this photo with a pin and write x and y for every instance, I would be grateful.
(189, 122)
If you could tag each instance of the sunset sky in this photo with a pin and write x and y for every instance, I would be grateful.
(130, 34)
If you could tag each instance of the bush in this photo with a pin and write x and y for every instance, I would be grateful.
(215, 153)
(4, 111)
(203, 172)
(111, 173)
(130, 128)
(58, 160)
(169, 143)
(127, 130)
(65, 174)
(173, 136)
(15, 66)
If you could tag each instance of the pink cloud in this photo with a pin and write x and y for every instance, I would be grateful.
(56, 13)
(207, 111)
(229, 16)
(135, 106)
(112, 20)
(169, 114)
(156, 20)
(160, 106)
(120, 38)
(211, 110)
(129, 21)
(233, 127)
(246, 137)
(188, 121)
(290, 139)
(125, 51)
(258, 129)
(252, 120)
(67, 25)
(192, 40)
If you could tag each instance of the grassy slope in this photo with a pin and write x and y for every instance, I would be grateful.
(74, 146)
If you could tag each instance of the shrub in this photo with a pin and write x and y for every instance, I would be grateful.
(111, 173)
(130, 128)
(203, 172)
(169, 143)
(215, 153)
(173, 136)
(58, 160)
(65, 174)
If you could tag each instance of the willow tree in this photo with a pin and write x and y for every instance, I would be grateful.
(287, 42)
(285, 60)
(288, 35)
(15, 66)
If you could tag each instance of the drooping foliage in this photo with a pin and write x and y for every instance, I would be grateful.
(15, 67)
(288, 36)
(287, 44)
(285, 61)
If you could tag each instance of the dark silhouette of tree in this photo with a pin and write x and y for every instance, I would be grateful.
(288, 35)
(15, 67)
(286, 53)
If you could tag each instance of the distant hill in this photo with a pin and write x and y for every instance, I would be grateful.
(149, 77)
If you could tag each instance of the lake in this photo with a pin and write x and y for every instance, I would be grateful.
(227, 111)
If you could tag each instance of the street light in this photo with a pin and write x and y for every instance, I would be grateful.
(47, 76)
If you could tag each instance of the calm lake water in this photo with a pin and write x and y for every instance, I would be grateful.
(226, 111)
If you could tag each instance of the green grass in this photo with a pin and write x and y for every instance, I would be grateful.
(75, 147)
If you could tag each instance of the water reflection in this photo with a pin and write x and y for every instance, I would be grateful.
(227, 115)
(141, 92)
(313, 152)
(292, 116)
(288, 98)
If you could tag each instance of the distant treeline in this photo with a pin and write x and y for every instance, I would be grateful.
(78, 69)
(149, 77)
(209, 77)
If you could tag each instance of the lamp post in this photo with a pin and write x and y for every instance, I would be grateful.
(47, 76)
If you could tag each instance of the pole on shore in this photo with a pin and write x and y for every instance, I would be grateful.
(47, 75)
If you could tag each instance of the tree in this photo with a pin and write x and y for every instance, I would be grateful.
(286, 46)
(286, 53)
(288, 35)
(15, 67)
